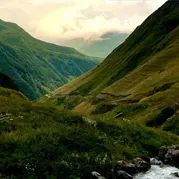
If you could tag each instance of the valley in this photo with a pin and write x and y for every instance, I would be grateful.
(118, 117)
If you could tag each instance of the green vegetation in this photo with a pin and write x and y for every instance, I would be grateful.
(39, 141)
(137, 85)
(138, 80)
(35, 66)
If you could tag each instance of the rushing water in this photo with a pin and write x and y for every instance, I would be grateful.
(157, 172)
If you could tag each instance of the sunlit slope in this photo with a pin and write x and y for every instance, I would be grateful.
(156, 38)
(138, 81)
(38, 67)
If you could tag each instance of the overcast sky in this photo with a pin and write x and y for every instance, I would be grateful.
(52, 20)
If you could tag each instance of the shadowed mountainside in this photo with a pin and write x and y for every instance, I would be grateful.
(35, 66)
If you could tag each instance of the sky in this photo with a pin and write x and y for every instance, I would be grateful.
(60, 20)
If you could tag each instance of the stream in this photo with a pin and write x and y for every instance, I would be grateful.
(157, 172)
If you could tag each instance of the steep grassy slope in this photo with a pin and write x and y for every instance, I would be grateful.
(139, 80)
(38, 141)
(35, 66)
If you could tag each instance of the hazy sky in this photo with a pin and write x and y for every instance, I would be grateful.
(52, 20)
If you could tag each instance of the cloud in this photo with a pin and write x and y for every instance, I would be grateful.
(52, 20)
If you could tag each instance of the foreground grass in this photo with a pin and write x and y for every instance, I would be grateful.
(45, 142)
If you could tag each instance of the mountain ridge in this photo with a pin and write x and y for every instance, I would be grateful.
(141, 73)
(38, 67)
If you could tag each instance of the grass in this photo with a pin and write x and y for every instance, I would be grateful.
(35, 66)
(41, 141)
(139, 78)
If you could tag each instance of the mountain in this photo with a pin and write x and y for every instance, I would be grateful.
(103, 46)
(138, 81)
(124, 105)
(41, 141)
(100, 47)
(38, 67)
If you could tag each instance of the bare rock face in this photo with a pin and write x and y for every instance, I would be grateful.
(169, 155)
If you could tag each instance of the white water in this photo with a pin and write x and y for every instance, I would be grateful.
(157, 172)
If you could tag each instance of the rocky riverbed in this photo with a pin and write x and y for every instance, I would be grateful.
(159, 172)
(163, 166)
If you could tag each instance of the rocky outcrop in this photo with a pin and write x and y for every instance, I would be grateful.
(126, 170)
(169, 155)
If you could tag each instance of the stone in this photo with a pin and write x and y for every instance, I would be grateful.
(169, 155)
(122, 175)
(172, 157)
(154, 161)
(176, 174)
(162, 151)
(141, 165)
(124, 166)
(96, 175)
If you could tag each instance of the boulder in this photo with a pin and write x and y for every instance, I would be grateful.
(172, 157)
(147, 159)
(169, 155)
(154, 161)
(162, 151)
(176, 174)
(122, 175)
(127, 167)
(96, 175)
(141, 165)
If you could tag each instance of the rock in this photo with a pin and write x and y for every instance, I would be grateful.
(124, 166)
(169, 155)
(162, 151)
(176, 174)
(96, 175)
(141, 165)
(147, 159)
(172, 157)
(154, 161)
(122, 175)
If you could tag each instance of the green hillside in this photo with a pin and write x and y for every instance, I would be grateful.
(138, 81)
(38, 67)
(41, 141)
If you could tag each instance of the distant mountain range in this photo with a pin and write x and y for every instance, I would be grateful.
(38, 67)
(100, 47)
